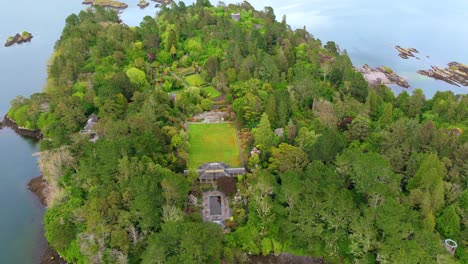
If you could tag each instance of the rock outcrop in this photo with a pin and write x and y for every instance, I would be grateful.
(142, 4)
(406, 53)
(19, 38)
(456, 74)
(7, 122)
(106, 3)
(382, 75)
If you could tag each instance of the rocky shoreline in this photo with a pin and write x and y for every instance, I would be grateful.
(382, 75)
(456, 73)
(7, 122)
(106, 3)
(39, 187)
(19, 39)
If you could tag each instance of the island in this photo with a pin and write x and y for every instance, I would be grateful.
(176, 142)
(106, 3)
(142, 4)
(406, 53)
(19, 38)
(382, 75)
(455, 74)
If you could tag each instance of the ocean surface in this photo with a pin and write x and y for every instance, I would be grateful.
(367, 29)
(370, 29)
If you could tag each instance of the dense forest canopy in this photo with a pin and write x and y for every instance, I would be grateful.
(358, 176)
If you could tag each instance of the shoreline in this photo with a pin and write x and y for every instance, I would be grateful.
(7, 122)
(381, 75)
(38, 186)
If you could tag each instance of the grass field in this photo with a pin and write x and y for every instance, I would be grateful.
(213, 143)
(195, 80)
(212, 92)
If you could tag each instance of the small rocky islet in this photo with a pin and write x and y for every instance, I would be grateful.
(142, 4)
(19, 38)
(406, 53)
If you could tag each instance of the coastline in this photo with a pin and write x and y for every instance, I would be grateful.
(38, 186)
(7, 122)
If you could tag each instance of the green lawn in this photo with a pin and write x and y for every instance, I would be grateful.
(195, 80)
(213, 143)
(212, 92)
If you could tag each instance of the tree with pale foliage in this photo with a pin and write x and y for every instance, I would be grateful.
(54, 164)
(138, 78)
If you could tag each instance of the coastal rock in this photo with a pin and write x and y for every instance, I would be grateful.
(163, 2)
(18, 39)
(406, 53)
(382, 75)
(37, 134)
(39, 187)
(142, 4)
(106, 3)
(455, 74)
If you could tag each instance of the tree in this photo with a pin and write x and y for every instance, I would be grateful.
(185, 243)
(288, 158)
(427, 186)
(306, 138)
(171, 40)
(227, 185)
(448, 223)
(332, 48)
(358, 129)
(327, 146)
(370, 174)
(211, 66)
(387, 115)
(264, 137)
(138, 78)
(173, 51)
(416, 102)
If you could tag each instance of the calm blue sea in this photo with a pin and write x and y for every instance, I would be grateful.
(370, 29)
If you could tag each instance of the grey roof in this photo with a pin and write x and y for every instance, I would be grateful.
(214, 170)
(235, 16)
(236, 171)
(92, 120)
(214, 166)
